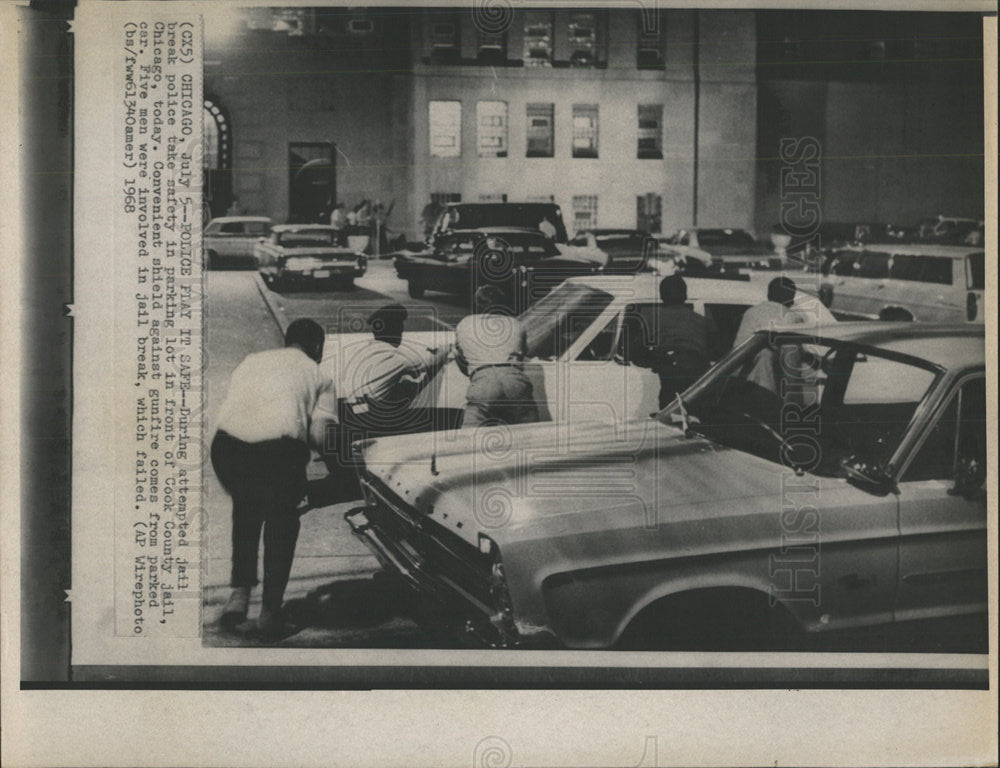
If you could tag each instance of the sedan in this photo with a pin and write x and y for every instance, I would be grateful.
(308, 253)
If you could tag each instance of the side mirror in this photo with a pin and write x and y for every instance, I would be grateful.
(868, 476)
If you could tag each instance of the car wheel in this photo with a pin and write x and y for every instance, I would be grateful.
(716, 620)
(346, 284)
(415, 289)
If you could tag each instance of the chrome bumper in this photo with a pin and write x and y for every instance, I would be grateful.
(463, 617)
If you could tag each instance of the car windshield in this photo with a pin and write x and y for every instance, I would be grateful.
(805, 403)
(710, 237)
(977, 271)
(306, 238)
(556, 321)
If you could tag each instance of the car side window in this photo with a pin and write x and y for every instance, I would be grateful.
(256, 228)
(601, 345)
(955, 448)
(232, 228)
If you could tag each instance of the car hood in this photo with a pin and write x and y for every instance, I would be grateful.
(532, 481)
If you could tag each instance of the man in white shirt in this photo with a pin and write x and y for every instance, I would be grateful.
(777, 310)
(277, 405)
(489, 348)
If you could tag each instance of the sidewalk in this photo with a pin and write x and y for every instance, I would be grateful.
(334, 593)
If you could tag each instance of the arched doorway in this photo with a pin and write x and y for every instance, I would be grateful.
(217, 160)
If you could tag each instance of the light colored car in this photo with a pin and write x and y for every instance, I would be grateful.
(230, 240)
(586, 338)
(308, 253)
(809, 482)
(930, 283)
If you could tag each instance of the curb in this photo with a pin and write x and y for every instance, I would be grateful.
(277, 312)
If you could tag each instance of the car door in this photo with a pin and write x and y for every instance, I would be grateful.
(942, 521)
(589, 383)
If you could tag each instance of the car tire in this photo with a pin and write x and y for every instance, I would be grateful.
(345, 284)
(415, 289)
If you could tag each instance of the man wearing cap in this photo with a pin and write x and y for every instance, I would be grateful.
(277, 405)
(490, 347)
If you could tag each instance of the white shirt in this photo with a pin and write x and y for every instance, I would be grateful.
(373, 371)
(274, 394)
(490, 339)
(764, 316)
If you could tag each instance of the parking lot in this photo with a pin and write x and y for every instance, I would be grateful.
(338, 596)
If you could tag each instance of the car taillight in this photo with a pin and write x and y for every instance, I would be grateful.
(971, 306)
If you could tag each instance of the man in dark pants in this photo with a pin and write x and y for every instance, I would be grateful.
(680, 349)
(274, 408)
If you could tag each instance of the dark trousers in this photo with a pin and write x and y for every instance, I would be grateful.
(266, 481)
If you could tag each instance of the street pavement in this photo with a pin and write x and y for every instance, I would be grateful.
(336, 595)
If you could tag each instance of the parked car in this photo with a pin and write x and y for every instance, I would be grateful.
(483, 216)
(731, 249)
(307, 253)
(229, 241)
(692, 530)
(623, 250)
(951, 230)
(930, 283)
(588, 340)
(524, 262)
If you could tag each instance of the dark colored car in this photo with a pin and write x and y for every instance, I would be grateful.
(525, 263)
(731, 249)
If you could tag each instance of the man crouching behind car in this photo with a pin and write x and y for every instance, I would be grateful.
(490, 347)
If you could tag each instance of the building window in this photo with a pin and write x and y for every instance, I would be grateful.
(495, 197)
(541, 141)
(650, 132)
(491, 117)
(584, 130)
(491, 47)
(649, 213)
(584, 212)
(649, 54)
(445, 39)
(537, 39)
(582, 39)
(446, 128)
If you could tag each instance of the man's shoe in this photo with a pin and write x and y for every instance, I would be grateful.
(234, 612)
(271, 625)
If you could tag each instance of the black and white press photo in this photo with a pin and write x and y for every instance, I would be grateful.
(642, 328)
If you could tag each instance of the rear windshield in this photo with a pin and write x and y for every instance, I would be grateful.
(307, 238)
(555, 322)
(528, 215)
(975, 265)
(709, 237)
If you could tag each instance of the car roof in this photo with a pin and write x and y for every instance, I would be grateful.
(296, 227)
(908, 249)
(645, 286)
(230, 219)
(946, 345)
